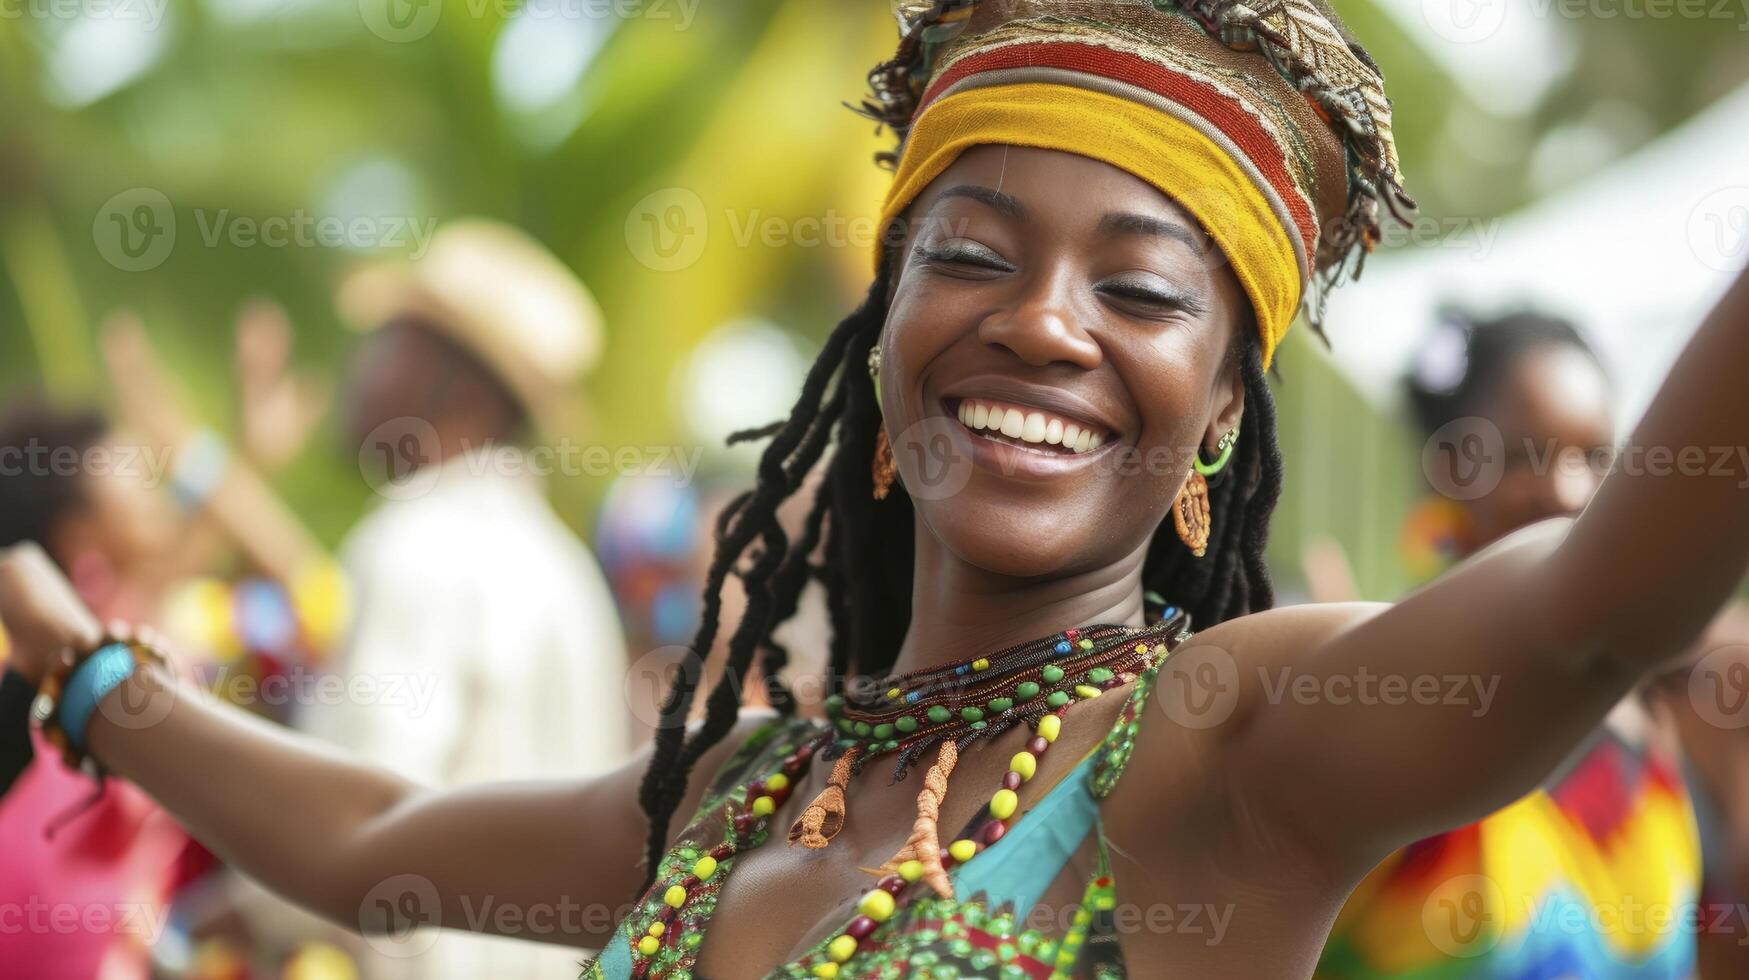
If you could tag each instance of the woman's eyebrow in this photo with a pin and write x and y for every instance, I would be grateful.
(1004, 203)
(1130, 223)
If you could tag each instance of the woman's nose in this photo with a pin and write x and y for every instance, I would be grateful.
(1042, 326)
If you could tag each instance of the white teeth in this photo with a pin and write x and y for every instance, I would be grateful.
(1032, 427)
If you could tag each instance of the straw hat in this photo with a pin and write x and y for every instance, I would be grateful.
(504, 298)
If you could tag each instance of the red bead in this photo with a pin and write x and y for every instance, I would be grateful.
(1011, 780)
(891, 884)
(1038, 745)
(1071, 634)
(993, 832)
(756, 789)
(860, 927)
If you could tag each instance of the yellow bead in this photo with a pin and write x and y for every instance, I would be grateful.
(705, 867)
(675, 896)
(648, 945)
(1086, 692)
(1050, 726)
(842, 948)
(980, 664)
(1141, 648)
(826, 971)
(777, 782)
(911, 871)
(877, 905)
(893, 694)
(765, 806)
(962, 850)
(1003, 804)
(657, 929)
(1024, 763)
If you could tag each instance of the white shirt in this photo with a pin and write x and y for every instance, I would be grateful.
(485, 645)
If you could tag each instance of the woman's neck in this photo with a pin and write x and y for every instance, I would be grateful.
(959, 611)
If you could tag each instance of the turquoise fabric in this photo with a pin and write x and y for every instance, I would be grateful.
(1019, 867)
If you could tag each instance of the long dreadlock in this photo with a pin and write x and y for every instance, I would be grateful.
(868, 548)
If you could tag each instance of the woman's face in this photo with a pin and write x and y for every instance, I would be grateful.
(1050, 297)
(1552, 407)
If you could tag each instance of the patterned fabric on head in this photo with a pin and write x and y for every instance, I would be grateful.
(1264, 122)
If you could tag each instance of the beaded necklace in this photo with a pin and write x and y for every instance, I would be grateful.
(1034, 683)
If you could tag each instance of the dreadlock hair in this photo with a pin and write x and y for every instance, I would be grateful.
(1467, 356)
(868, 548)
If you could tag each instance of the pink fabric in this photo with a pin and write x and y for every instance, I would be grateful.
(89, 902)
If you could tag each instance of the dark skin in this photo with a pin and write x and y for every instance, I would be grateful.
(1269, 813)
(404, 370)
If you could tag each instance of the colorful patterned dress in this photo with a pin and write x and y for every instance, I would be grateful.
(1597, 876)
(980, 933)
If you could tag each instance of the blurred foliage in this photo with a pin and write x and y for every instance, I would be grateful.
(251, 109)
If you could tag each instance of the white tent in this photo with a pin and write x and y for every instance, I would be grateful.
(1635, 254)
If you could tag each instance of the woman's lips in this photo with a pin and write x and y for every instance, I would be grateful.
(1028, 427)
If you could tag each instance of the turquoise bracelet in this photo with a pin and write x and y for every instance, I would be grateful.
(101, 673)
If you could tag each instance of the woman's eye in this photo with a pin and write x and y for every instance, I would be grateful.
(965, 254)
(1152, 294)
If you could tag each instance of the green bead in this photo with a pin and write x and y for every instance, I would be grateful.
(889, 746)
(1026, 690)
(978, 726)
(1099, 675)
(1086, 644)
(835, 703)
(1051, 674)
(939, 714)
(1058, 699)
(906, 724)
(883, 731)
(1000, 704)
(862, 728)
(844, 725)
(972, 714)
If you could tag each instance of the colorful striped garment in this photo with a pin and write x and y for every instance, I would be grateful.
(1596, 876)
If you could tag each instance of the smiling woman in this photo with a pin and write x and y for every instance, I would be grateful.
(1104, 217)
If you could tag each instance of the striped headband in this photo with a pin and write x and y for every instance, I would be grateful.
(1226, 109)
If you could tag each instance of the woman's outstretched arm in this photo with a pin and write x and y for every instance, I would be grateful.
(1374, 725)
(362, 847)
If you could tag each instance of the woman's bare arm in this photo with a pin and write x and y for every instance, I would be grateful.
(364, 848)
(1497, 670)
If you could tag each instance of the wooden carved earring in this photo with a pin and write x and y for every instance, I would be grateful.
(885, 468)
(1190, 512)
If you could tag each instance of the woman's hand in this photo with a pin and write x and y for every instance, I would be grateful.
(42, 615)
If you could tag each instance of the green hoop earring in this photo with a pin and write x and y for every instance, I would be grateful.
(874, 374)
(1225, 446)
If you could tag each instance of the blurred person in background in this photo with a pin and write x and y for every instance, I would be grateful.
(1612, 828)
(467, 586)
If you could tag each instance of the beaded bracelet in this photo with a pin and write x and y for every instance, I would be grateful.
(75, 686)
